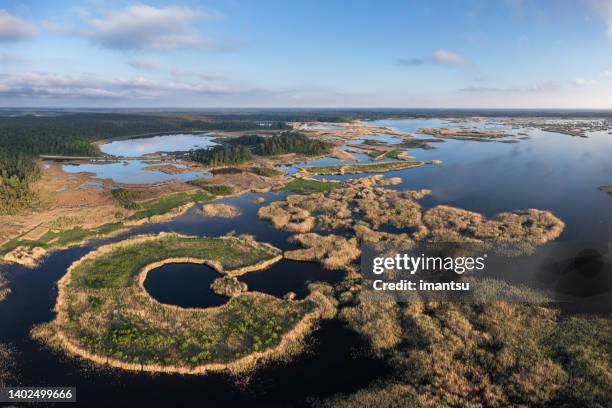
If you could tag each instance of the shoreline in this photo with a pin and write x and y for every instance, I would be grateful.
(289, 345)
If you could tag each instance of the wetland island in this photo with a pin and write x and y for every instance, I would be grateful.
(242, 249)
(306, 204)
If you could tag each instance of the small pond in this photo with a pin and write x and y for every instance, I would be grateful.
(325, 127)
(188, 285)
(184, 284)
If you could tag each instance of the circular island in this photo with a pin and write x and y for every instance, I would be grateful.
(105, 315)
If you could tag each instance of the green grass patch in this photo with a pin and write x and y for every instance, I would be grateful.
(108, 314)
(219, 190)
(214, 189)
(391, 154)
(373, 142)
(52, 240)
(416, 144)
(162, 205)
(306, 186)
(265, 171)
(125, 198)
(360, 168)
(116, 268)
(226, 170)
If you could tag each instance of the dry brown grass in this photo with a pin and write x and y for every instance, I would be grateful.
(4, 289)
(26, 256)
(333, 251)
(220, 210)
(7, 365)
(365, 206)
(366, 234)
(389, 207)
(524, 228)
(247, 181)
(228, 286)
(463, 133)
(392, 181)
(377, 320)
(64, 222)
(360, 168)
(340, 207)
(286, 217)
(483, 355)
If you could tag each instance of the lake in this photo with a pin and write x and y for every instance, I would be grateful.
(179, 142)
(550, 171)
(132, 172)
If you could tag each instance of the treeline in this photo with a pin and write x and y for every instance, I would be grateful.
(73, 134)
(16, 173)
(286, 142)
(246, 140)
(241, 149)
(222, 155)
(24, 138)
(291, 142)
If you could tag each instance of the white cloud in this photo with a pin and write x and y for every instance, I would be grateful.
(603, 10)
(608, 17)
(541, 87)
(61, 28)
(448, 57)
(584, 82)
(143, 64)
(6, 58)
(13, 28)
(147, 27)
(442, 57)
(42, 85)
(196, 74)
(607, 73)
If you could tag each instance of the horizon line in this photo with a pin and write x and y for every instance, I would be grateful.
(304, 108)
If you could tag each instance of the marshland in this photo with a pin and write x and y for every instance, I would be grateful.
(317, 219)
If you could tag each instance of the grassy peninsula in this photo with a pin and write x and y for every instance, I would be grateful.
(104, 314)
(360, 168)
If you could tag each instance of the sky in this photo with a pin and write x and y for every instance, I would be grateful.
(307, 53)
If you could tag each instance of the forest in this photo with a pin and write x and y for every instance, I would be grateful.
(221, 155)
(23, 138)
(241, 149)
(286, 142)
(291, 142)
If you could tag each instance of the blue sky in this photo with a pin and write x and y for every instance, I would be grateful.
(469, 53)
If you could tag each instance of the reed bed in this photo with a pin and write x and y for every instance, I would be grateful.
(220, 210)
(105, 315)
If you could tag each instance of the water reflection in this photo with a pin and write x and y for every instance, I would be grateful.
(163, 143)
(550, 171)
(184, 284)
(132, 172)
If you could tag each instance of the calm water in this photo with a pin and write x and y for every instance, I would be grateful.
(132, 172)
(553, 172)
(550, 171)
(334, 350)
(157, 144)
(184, 284)
(326, 127)
(188, 285)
